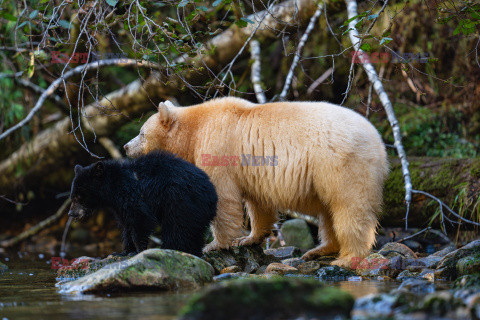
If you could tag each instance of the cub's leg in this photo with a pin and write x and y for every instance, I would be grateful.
(262, 219)
(128, 245)
(227, 225)
(328, 240)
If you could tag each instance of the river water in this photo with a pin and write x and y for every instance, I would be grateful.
(27, 291)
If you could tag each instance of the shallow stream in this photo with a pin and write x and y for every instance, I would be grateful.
(27, 291)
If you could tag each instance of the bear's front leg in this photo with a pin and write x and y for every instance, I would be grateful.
(228, 223)
(128, 245)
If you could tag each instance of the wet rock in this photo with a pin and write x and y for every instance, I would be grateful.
(334, 273)
(430, 261)
(280, 269)
(231, 269)
(372, 266)
(293, 262)
(275, 298)
(393, 249)
(284, 252)
(311, 267)
(439, 304)
(469, 265)
(248, 258)
(406, 274)
(417, 286)
(233, 275)
(381, 306)
(425, 274)
(447, 267)
(153, 269)
(466, 286)
(296, 233)
(82, 266)
(3, 267)
(442, 253)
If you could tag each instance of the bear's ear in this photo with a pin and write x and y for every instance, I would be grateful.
(166, 113)
(77, 168)
(98, 169)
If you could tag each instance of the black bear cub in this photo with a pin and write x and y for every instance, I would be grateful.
(156, 189)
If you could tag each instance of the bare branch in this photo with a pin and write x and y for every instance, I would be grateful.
(37, 228)
(301, 44)
(256, 71)
(80, 69)
(377, 85)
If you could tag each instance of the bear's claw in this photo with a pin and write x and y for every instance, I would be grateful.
(246, 241)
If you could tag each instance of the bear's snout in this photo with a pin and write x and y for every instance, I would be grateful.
(126, 147)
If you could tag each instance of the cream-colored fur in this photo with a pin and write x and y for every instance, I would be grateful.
(331, 164)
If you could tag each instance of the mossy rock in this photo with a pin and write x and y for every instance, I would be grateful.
(334, 273)
(469, 265)
(274, 298)
(153, 269)
(448, 267)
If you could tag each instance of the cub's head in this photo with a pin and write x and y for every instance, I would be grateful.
(155, 132)
(86, 187)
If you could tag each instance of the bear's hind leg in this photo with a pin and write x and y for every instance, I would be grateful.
(228, 223)
(262, 219)
(355, 225)
(328, 240)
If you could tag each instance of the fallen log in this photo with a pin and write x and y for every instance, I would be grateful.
(454, 181)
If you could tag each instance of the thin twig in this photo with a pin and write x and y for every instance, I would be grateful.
(80, 69)
(443, 205)
(256, 71)
(414, 235)
(301, 44)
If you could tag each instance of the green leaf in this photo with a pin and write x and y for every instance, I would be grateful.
(112, 3)
(22, 24)
(9, 17)
(247, 20)
(372, 16)
(386, 40)
(216, 3)
(33, 14)
(64, 24)
(241, 23)
(202, 8)
(366, 47)
(457, 30)
(183, 3)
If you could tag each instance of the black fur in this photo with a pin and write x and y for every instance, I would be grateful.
(155, 189)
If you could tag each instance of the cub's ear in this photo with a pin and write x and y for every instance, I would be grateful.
(78, 168)
(166, 113)
(98, 169)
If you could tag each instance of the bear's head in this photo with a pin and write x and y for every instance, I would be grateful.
(155, 132)
(86, 187)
